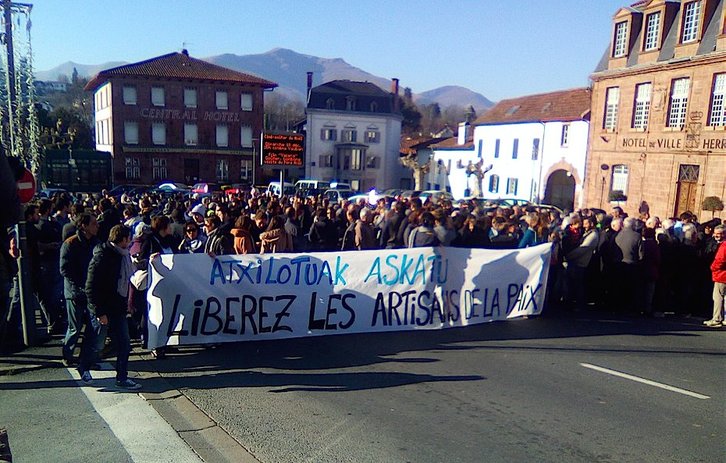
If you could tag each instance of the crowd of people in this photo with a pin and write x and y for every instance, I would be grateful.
(83, 250)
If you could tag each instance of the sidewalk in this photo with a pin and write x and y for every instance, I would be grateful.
(50, 415)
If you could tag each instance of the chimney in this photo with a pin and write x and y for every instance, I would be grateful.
(394, 90)
(185, 51)
(463, 134)
(310, 86)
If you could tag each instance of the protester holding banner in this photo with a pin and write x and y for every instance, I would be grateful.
(218, 243)
(275, 239)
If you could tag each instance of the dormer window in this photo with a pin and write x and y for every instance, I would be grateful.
(620, 40)
(652, 31)
(374, 107)
(350, 103)
(691, 19)
(330, 103)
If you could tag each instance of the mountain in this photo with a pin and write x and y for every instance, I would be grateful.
(454, 95)
(84, 70)
(288, 68)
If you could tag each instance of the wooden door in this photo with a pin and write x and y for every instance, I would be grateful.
(687, 186)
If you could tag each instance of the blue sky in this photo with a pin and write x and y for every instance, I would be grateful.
(498, 48)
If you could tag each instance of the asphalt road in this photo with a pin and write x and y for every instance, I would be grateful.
(544, 390)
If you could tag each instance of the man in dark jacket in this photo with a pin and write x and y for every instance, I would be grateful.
(75, 255)
(107, 290)
(629, 247)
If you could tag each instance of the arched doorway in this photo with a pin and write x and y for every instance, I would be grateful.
(560, 190)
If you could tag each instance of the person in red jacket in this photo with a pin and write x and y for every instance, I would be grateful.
(718, 270)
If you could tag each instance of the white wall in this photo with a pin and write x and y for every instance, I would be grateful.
(532, 175)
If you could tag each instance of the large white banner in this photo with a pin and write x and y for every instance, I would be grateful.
(197, 299)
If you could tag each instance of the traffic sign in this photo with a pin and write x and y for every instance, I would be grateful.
(26, 186)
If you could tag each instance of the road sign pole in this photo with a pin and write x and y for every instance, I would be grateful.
(27, 301)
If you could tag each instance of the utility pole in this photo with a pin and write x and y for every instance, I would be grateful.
(27, 301)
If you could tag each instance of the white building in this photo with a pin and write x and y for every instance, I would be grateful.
(535, 148)
(353, 135)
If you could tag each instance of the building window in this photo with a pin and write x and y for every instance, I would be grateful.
(190, 134)
(619, 181)
(328, 134)
(158, 169)
(494, 183)
(611, 108)
(222, 170)
(129, 94)
(131, 133)
(330, 103)
(245, 102)
(158, 133)
(222, 136)
(642, 105)
(245, 137)
(245, 169)
(652, 31)
(620, 40)
(349, 136)
(678, 103)
(190, 97)
(220, 100)
(133, 168)
(496, 148)
(515, 148)
(565, 136)
(350, 103)
(718, 111)
(373, 136)
(512, 186)
(325, 160)
(157, 96)
(535, 149)
(356, 159)
(374, 106)
(373, 162)
(691, 18)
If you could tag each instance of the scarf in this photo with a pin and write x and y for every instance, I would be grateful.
(125, 272)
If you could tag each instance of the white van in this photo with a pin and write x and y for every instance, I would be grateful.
(311, 187)
(274, 189)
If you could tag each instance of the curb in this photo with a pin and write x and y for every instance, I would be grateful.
(201, 433)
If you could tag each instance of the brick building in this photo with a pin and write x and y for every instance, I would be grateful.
(658, 112)
(180, 119)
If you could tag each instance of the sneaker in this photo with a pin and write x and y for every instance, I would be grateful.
(68, 362)
(128, 384)
(713, 324)
(86, 377)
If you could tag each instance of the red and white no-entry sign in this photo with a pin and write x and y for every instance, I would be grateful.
(26, 187)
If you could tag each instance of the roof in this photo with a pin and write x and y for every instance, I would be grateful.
(564, 105)
(178, 66)
(452, 143)
(710, 31)
(334, 95)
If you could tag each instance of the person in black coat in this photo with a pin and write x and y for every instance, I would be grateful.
(107, 290)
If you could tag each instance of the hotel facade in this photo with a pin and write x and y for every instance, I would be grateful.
(658, 120)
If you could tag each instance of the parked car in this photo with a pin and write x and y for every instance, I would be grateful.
(337, 196)
(204, 187)
(311, 187)
(409, 194)
(435, 196)
(50, 192)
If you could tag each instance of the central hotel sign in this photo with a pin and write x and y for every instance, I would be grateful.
(189, 115)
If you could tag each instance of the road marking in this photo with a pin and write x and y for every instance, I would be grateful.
(645, 381)
(145, 435)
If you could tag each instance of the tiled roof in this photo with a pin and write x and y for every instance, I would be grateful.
(178, 66)
(452, 143)
(565, 105)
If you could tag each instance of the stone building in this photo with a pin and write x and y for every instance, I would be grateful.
(353, 134)
(658, 126)
(180, 119)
